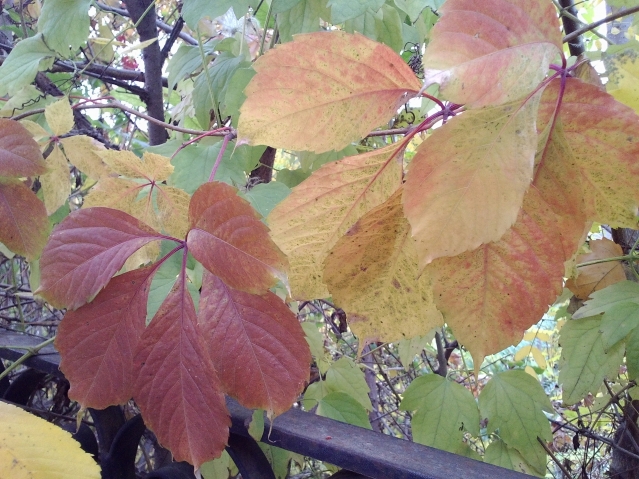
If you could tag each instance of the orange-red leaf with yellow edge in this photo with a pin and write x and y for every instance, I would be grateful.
(597, 276)
(322, 91)
(85, 250)
(177, 388)
(97, 341)
(492, 295)
(308, 223)
(599, 149)
(257, 345)
(372, 273)
(24, 226)
(491, 51)
(473, 171)
(19, 153)
(229, 239)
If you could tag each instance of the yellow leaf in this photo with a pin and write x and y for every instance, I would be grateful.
(37, 132)
(158, 167)
(59, 116)
(147, 254)
(32, 448)
(56, 184)
(82, 153)
(371, 273)
(624, 78)
(531, 371)
(522, 353)
(538, 357)
(537, 334)
(138, 46)
(113, 193)
(173, 208)
(153, 167)
(308, 223)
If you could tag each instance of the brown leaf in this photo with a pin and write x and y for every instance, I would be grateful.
(597, 276)
(19, 154)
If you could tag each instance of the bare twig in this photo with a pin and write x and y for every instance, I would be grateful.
(593, 25)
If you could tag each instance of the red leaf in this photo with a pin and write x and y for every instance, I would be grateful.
(229, 239)
(98, 340)
(19, 153)
(24, 226)
(257, 345)
(177, 388)
(85, 251)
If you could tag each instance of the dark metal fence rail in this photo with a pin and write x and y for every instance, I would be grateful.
(350, 447)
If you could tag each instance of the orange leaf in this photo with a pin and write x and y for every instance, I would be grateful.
(24, 226)
(597, 276)
(19, 154)
(492, 295)
(472, 173)
(85, 250)
(491, 51)
(322, 91)
(372, 273)
(177, 389)
(98, 340)
(308, 223)
(229, 239)
(257, 345)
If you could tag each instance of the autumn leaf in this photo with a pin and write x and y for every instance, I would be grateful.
(597, 276)
(19, 154)
(372, 274)
(256, 344)
(473, 171)
(623, 82)
(59, 116)
(514, 40)
(97, 341)
(175, 370)
(491, 295)
(56, 183)
(25, 234)
(152, 166)
(228, 238)
(343, 85)
(310, 221)
(173, 203)
(85, 250)
(81, 151)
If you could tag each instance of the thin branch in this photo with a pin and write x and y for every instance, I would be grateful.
(593, 25)
(554, 458)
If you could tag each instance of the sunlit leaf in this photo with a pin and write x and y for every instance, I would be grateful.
(97, 341)
(257, 345)
(372, 274)
(472, 171)
(19, 153)
(343, 85)
(585, 364)
(85, 251)
(597, 276)
(513, 402)
(310, 221)
(229, 239)
(175, 370)
(514, 40)
(31, 447)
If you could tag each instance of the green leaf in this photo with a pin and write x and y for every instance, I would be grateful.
(64, 23)
(632, 354)
(585, 364)
(601, 301)
(217, 468)
(345, 376)
(315, 340)
(256, 427)
(412, 8)
(280, 459)
(366, 24)
(444, 410)
(235, 96)
(304, 17)
(23, 63)
(314, 394)
(183, 63)
(195, 10)
(342, 10)
(292, 178)
(513, 402)
(279, 6)
(618, 322)
(310, 161)
(407, 349)
(342, 407)
(389, 28)
(265, 196)
(499, 454)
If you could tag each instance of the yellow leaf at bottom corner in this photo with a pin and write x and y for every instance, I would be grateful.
(33, 448)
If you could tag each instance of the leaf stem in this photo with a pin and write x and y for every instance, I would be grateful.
(627, 257)
(228, 137)
(31, 351)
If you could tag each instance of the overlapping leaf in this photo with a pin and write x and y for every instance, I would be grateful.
(98, 340)
(491, 295)
(177, 389)
(344, 85)
(257, 345)
(597, 276)
(85, 251)
(310, 221)
(493, 51)
(603, 301)
(19, 153)
(229, 239)
(372, 274)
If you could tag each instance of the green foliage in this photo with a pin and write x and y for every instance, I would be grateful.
(28, 57)
(65, 23)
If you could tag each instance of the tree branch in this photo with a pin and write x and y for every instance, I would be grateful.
(593, 25)
(576, 44)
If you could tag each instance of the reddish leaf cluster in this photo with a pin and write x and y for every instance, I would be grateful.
(244, 341)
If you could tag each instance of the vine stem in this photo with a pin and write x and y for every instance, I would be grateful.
(227, 137)
(31, 351)
(627, 257)
(593, 25)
